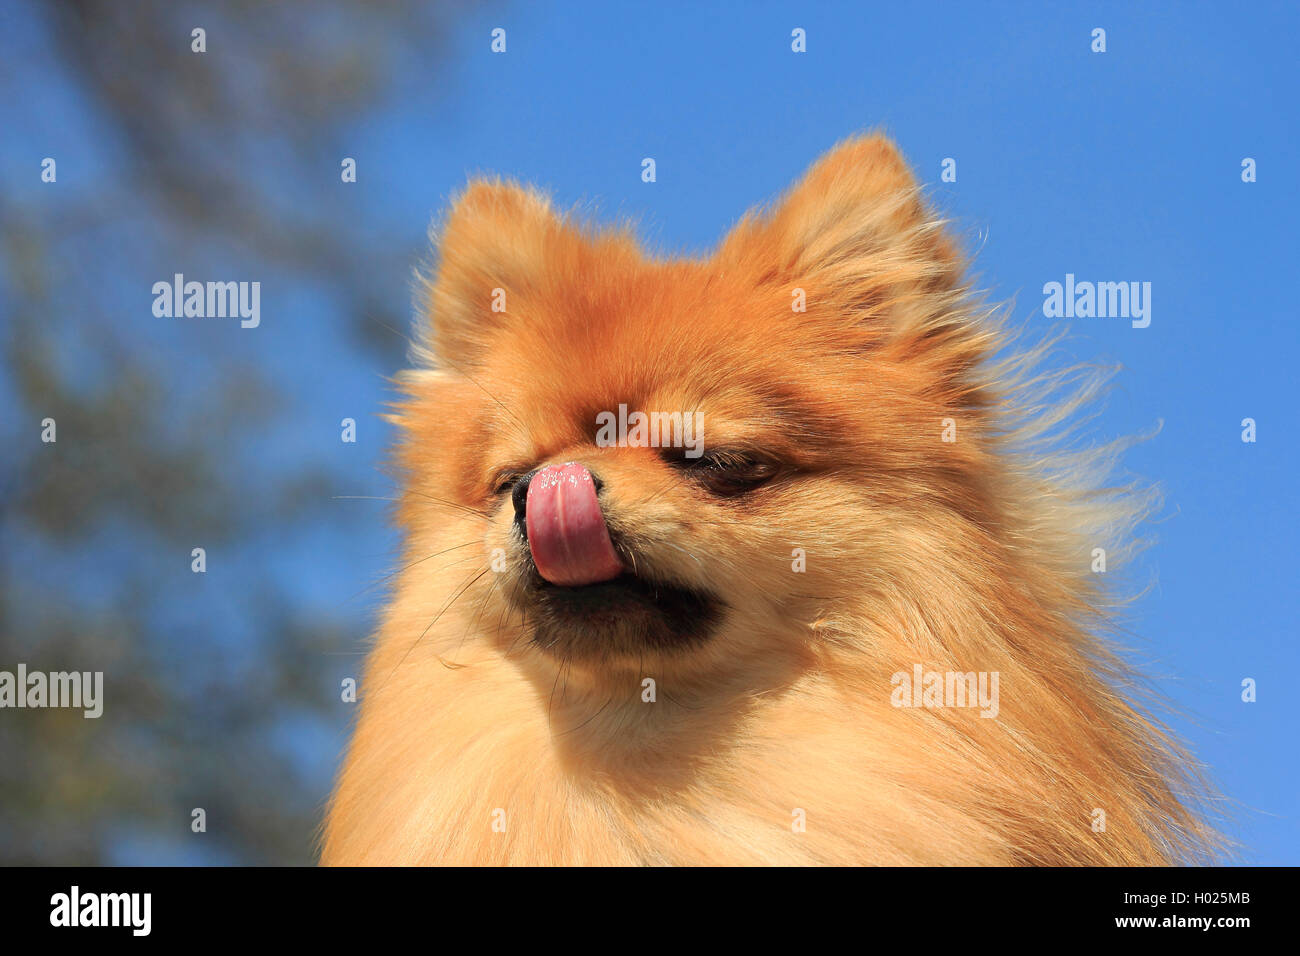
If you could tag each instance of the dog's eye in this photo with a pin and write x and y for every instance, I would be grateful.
(505, 479)
(729, 473)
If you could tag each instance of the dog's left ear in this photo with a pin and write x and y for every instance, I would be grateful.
(855, 234)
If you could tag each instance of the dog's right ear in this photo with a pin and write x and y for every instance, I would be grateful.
(492, 251)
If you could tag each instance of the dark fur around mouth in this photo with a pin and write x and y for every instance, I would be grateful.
(627, 616)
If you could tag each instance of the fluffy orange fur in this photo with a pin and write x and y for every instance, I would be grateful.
(474, 746)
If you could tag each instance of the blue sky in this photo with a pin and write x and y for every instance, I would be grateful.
(1123, 165)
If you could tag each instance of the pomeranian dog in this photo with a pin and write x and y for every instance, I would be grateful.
(765, 558)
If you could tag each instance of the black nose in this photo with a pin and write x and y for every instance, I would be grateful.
(519, 496)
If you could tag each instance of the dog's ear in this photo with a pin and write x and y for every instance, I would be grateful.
(855, 234)
(492, 250)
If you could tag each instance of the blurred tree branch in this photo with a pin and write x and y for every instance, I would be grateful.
(205, 152)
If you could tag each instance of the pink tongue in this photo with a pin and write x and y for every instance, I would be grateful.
(566, 530)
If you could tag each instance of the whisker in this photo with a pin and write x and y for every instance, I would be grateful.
(563, 672)
(391, 575)
(411, 491)
(679, 703)
(467, 585)
(685, 552)
(452, 504)
(588, 720)
(501, 620)
(523, 631)
(523, 428)
(474, 620)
